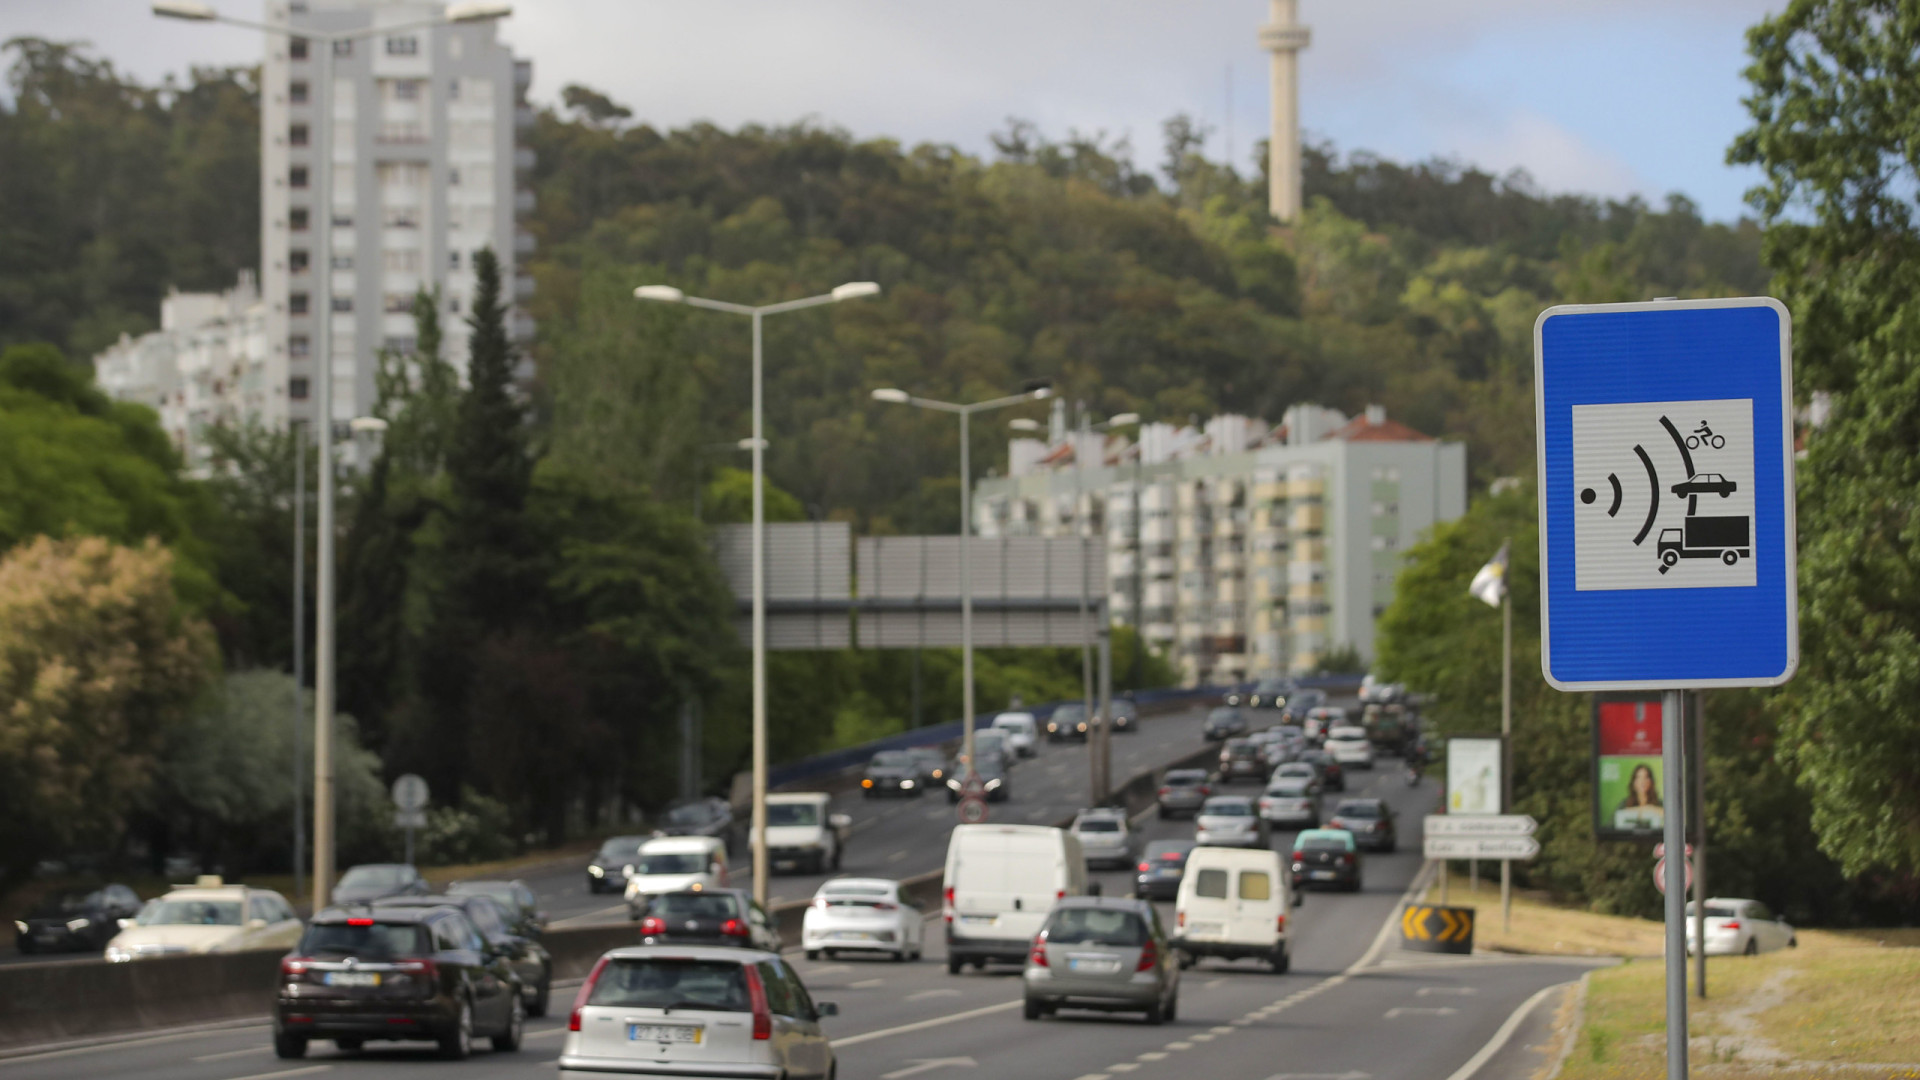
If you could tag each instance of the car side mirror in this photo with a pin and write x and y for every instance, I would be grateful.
(825, 1009)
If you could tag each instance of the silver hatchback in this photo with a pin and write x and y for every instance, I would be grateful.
(1106, 954)
(1104, 837)
(1230, 821)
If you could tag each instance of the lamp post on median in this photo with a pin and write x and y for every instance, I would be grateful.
(1100, 739)
(667, 294)
(471, 11)
(965, 413)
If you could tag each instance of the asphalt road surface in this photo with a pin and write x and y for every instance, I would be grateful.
(1353, 1006)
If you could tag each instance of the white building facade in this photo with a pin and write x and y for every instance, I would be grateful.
(1239, 549)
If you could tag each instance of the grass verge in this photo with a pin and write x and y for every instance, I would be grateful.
(1540, 926)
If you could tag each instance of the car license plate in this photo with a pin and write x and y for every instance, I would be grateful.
(1322, 875)
(1092, 965)
(851, 935)
(666, 1033)
(353, 978)
(1203, 928)
(977, 920)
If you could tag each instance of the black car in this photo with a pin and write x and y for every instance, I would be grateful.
(708, 917)
(1223, 722)
(1326, 857)
(993, 778)
(1264, 694)
(702, 817)
(607, 871)
(1240, 759)
(1369, 820)
(83, 921)
(516, 899)
(1126, 716)
(1068, 721)
(396, 973)
(892, 772)
(376, 881)
(531, 962)
(1161, 867)
(932, 763)
(1332, 776)
(1302, 703)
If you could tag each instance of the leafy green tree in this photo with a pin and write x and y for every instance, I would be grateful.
(1833, 84)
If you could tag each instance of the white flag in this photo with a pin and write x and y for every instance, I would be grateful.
(1490, 584)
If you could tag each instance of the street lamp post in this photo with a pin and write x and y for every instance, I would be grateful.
(1100, 737)
(667, 294)
(471, 11)
(965, 413)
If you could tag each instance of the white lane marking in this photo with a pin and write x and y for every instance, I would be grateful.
(1179, 1046)
(1213, 984)
(1201, 1036)
(898, 855)
(1151, 1055)
(921, 1025)
(1221, 1030)
(309, 1070)
(868, 984)
(1474, 1063)
(234, 1053)
(829, 969)
(1125, 1066)
(936, 815)
(1401, 1010)
(1429, 991)
(1095, 1076)
(928, 1065)
(1039, 813)
(925, 994)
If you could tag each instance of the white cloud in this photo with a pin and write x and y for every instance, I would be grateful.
(1557, 159)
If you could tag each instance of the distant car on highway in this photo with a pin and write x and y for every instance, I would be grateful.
(1350, 747)
(1126, 716)
(516, 898)
(531, 962)
(863, 915)
(1021, 731)
(990, 742)
(76, 920)
(1224, 722)
(376, 881)
(1102, 953)
(702, 817)
(1068, 721)
(1267, 693)
(1240, 759)
(992, 772)
(1740, 928)
(396, 973)
(724, 917)
(1230, 821)
(1331, 774)
(1161, 867)
(1371, 822)
(1182, 791)
(1321, 720)
(674, 864)
(1104, 836)
(892, 772)
(684, 1011)
(1326, 857)
(1302, 704)
(1291, 802)
(606, 870)
(207, 916)
(804, 832)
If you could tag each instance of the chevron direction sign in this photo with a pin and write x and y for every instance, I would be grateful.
(1431, 928)
(1481, 847)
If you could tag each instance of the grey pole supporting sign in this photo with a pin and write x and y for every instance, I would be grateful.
(410, 803)
(1667, 521)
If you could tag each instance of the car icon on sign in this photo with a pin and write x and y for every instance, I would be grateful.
(1705, 483)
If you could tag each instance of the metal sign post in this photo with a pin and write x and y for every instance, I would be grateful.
(410, 803)
(1667, 538)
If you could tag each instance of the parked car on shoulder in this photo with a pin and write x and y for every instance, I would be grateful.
(1224, 722)
(1104, 836)
(1182, 791)
(1326, 857)
(685, 1011)
(207, 916)
(363, 974)
(1162, 865)
(1021, 731)
(1371, 822)
(76, 920)
(1740, 928)
(726, 917)
(531, 962)
(516, 899)
(1102, 953)
(368, 882)
(606, 871)
(891, 772)
(862, 915)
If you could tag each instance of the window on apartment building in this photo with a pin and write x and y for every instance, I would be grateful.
(453, 304)
(343, 262)
(407, 90)
(299, 347)
(342, 221)
(297, 176)
(297, 92)
(297, 135)
(453, 176)
(397, 303)
(343, 303)
(403, 46)
(297, 261)
(453, 89)
(343, 48)
(297, 303)
(402, 217)
(297, 388)
(297, 219)
(399, 343)
(453, 260)
(297, 48)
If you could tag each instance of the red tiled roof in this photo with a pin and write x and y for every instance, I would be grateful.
(1388, 430)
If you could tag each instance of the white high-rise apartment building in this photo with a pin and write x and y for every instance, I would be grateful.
(1239, 549)
(424, 166)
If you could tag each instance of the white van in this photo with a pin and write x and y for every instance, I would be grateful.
(673, 864)
(1233, 903)
(1021, 730)
(1001, 882)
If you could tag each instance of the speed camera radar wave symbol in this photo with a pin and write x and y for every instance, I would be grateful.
(1588, 495)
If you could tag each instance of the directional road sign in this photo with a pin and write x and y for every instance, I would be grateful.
(1666, 495)
(1481, 847)
(1479, 825)
(1431, 928)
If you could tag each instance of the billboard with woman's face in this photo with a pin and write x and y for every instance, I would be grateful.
(1628, 783)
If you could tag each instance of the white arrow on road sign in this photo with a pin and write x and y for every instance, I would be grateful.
(928, 1065)
(1480, 825)
(1481, 847)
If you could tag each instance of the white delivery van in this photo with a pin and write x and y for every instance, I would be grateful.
(1233, 903)
(803, 833)
(1001, 882)
(674, 864)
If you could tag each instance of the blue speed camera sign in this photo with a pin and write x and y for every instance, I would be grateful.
(1666, 495)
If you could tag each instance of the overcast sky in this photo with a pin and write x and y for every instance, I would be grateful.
(1612, 97)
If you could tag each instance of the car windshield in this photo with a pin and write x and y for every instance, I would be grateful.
(1357, 810)
(892, 759)
(621, 846)
(650, 983)
(1342, 734)
(191, 913)
(65, 904)
(1096, 926)
(1227, 808)
(691, 814)
(690, 862)
(1296, 768)
(1070, 714)
(1013, 721)
(374, 877)
(1716, 911)
(695, 905)
(1223, 716)
(779, 814)
(1098, 825)
(850, 892)
(1270, 686)
(1320, 843)
(1168, 851)
(379, 941)
(1184, 778)
(1290, 787)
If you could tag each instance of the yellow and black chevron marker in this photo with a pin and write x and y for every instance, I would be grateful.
(1428, 928)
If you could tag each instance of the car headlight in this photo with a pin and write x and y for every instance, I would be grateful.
(79, 924)
(596, 871)
(954, 784)
(124, 923)
(627, 870)
(1082, 726)
(908, 784)
(938, 773)
(1051, 728)
(116, 955)
(991, 784)
(20, 926)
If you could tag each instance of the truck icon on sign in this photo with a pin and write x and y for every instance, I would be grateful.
(1723, 538)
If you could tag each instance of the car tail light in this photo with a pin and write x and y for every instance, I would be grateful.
(294, 965)
(1060, 894)
(586, 991)
(733, 928)
(947, 909)
(1164, 791)
(1180, 921)
(1730, 924)
(757, 995)
(1346, 860)
(653, 924)
(1146, 867)
(1206, 790)
(359, 922)
(1281, 925)
(1038, 956)
(885, 906)
(1149, 958)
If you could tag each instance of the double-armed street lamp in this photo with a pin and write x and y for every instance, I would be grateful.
(964, 412)
(667, 294)
(473, 11)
